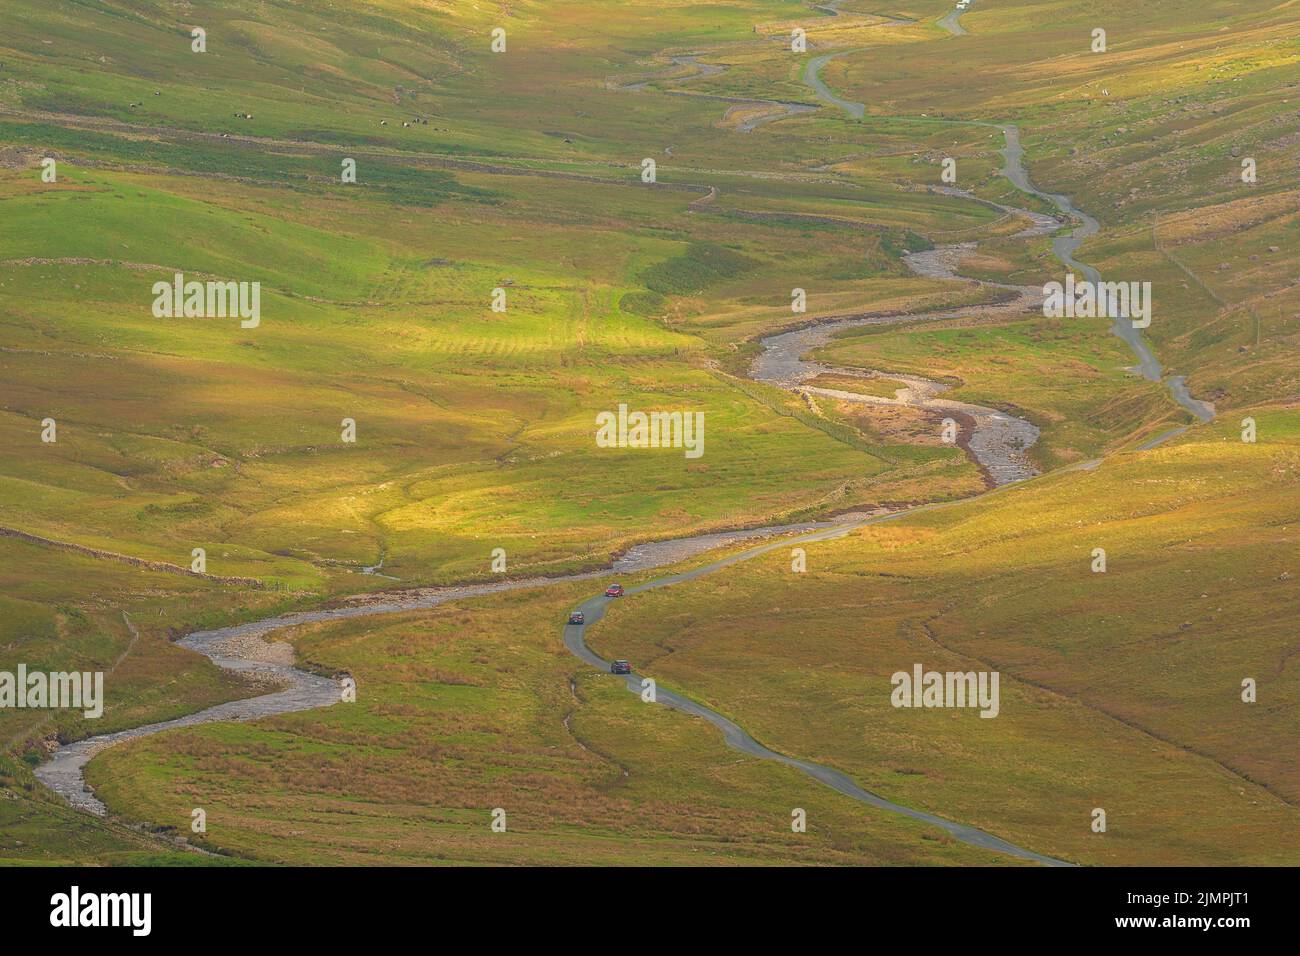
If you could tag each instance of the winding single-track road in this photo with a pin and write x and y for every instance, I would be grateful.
(735, 736)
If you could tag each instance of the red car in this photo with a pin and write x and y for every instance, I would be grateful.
(614, 590)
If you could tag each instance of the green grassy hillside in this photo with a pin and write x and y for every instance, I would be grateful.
(1120, 690)
(481, 174)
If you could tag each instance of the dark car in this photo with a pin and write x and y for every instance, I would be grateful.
(620, 667)
(614, 590)
(576, 617)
